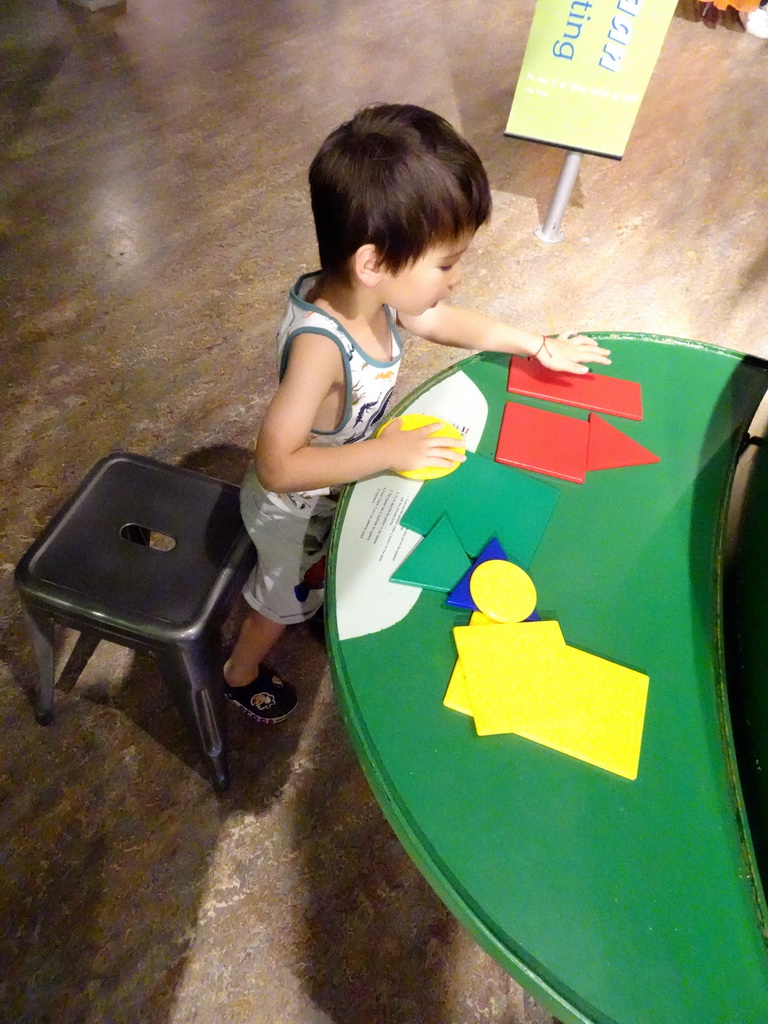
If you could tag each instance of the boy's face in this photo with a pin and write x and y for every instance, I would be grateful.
(428, 280)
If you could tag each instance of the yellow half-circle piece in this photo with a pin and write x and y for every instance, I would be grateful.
(414, 420)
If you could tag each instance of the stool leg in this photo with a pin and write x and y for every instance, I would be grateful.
(41, 631)
(193, 674)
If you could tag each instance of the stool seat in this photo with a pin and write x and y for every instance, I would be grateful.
(149, 556)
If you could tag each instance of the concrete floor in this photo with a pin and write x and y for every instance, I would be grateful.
(154, 213)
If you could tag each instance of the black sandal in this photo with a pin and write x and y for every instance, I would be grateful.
(267, 699)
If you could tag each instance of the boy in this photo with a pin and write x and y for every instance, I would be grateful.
(397, 196)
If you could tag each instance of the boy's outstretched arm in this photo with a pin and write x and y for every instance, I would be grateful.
(285, 461)
(453, 325)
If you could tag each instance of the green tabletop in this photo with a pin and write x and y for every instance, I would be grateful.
(612, 901)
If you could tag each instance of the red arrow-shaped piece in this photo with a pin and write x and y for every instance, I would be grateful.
(609, 448)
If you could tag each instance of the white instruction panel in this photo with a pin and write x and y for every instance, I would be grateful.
(372, 543)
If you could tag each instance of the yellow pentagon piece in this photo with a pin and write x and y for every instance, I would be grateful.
(456, 695)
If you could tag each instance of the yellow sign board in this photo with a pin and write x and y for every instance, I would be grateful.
(585, 71)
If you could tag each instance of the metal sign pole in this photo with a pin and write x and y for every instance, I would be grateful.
(550, 230)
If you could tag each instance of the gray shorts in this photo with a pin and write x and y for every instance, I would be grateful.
(288, 582)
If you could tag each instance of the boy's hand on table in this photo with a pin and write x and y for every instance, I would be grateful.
(419, 448)
(568, 352)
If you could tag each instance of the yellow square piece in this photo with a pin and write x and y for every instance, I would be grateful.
(545, 634)
(564, 698)
(456, 695)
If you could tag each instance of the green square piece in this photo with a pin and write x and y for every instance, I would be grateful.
(484, 500)
(437, 563)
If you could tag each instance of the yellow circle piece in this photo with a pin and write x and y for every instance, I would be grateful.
(502, 591)
(414, 420)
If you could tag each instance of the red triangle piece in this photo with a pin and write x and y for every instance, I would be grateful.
(597, 391)
(609, 448)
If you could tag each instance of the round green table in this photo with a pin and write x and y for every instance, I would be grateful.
(612, 900)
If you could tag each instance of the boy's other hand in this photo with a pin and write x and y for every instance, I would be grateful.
(568, 352)
(420, 448)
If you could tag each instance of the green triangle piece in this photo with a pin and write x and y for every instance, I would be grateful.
(437, 563)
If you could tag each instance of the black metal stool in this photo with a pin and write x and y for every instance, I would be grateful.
(149, 556)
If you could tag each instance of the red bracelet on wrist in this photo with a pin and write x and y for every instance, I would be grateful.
(541, 346)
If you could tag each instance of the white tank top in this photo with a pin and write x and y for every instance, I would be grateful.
(369, 382)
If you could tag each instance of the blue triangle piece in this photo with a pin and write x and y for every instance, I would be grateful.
(460, 596)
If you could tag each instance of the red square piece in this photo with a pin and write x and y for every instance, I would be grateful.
(595, 391)
(546, 442)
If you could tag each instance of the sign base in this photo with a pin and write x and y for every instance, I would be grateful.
(550, 230)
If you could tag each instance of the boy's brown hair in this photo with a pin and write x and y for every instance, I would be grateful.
(397, 176)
